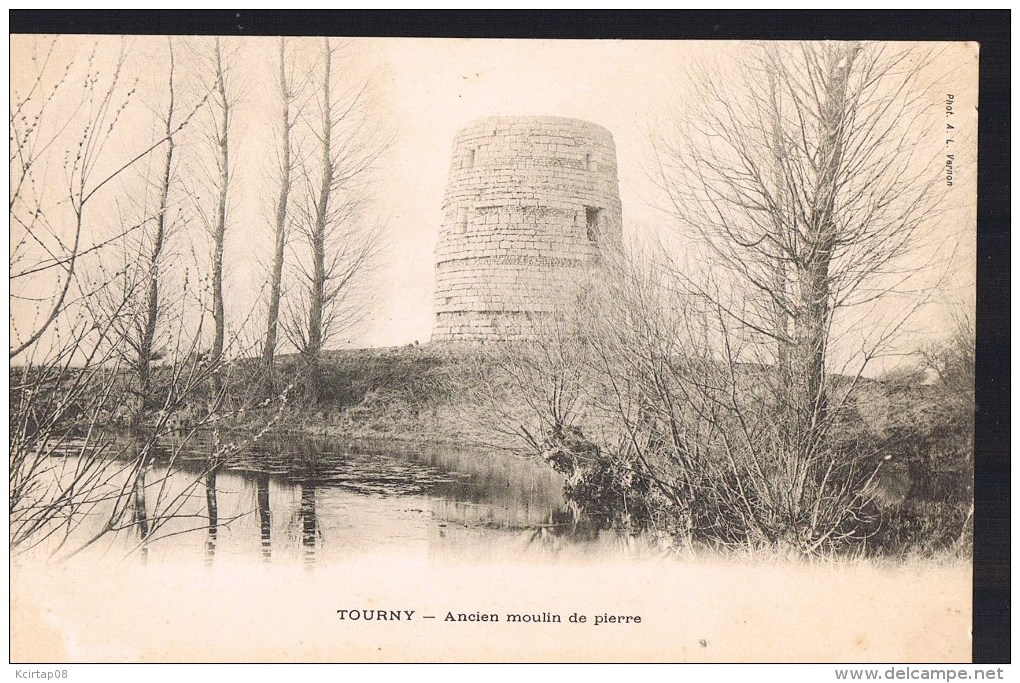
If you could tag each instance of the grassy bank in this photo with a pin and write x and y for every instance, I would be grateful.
(462, 394)
(408, 393)
(908, 440)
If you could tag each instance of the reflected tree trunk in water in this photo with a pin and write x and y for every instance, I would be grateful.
(265, 518)
(309, 523)
(210, 502)
(141, 518)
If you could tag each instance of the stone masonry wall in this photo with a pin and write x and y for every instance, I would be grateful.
(530, 201)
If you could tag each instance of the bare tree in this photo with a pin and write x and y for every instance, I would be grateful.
(807, 179)
(64, 381)
(953, 361)
(223, 112)
(280, 220)
(134, 298)
(49, 232)
(809, 184)
(705, 401)
(341, 246)
(94, 345)
(637, 394)
(219, 132)
(145, 340)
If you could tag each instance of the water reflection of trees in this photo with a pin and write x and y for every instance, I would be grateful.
(475, 490)
(565, 524)
(296, 472)
(303, 528)
(140, 499)
(307, 519)
(309, 523)
(306, 468)
(213, 514)
(265, 515)
(287, 482)
(156, 509)
(141, 519)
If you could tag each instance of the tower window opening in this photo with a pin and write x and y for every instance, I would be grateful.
(590, 164)
(591, 220)
(462, 219)
(471, 159)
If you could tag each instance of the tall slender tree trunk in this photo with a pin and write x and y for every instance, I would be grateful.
(813, 280)
(781, 232)
(276, 273)
(220, 228)
(313, 348)
(151, 316)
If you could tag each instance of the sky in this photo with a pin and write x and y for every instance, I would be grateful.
(450, 83)
(421, 91)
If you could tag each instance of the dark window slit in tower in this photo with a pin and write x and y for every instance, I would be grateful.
(591, 219)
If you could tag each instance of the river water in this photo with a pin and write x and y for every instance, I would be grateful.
(316, 500)
(254, 564)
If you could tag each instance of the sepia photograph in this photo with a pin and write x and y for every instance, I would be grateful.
(394, 349)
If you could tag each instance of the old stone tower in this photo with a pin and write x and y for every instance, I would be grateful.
(529, 202)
